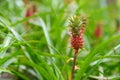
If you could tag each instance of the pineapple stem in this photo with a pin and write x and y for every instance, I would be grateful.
(74, 62)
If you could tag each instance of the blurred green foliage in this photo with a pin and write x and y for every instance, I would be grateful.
(37, 47)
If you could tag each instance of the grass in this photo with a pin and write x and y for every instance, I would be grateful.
(38, 47)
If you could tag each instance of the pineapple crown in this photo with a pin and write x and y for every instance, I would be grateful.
(76, 23)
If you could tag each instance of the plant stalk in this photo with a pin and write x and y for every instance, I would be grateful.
(73, 65)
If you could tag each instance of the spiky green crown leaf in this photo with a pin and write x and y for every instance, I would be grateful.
(76, 22)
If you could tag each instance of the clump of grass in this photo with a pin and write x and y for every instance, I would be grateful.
(42, 52)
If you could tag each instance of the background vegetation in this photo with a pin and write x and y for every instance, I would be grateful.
(37, 47)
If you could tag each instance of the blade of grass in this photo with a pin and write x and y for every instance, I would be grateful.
(2, 69)
(19, 38)
(6, 44)
(44, 27)
(91, 55)
(108, 54)
(46, 35)
(21, 75)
